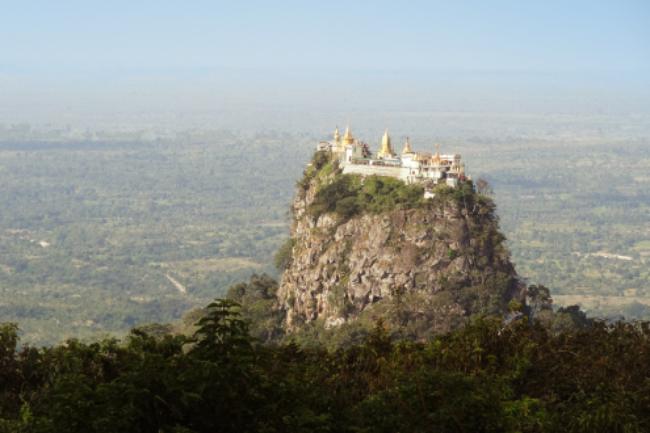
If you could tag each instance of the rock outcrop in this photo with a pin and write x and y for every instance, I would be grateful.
(435, 264)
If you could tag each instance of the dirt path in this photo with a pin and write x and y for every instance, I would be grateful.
(181, 288)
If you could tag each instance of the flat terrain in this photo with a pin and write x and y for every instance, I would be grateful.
(98, 237)
(98, 234)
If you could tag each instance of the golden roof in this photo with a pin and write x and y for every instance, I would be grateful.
(407, 147)
(347, 137)
(436, 158)
(386, 150)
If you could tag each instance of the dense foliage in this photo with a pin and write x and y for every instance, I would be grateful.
(486, 377)
(348, 195)
(259, 307)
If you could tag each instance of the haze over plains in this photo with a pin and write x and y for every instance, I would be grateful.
(95, 63)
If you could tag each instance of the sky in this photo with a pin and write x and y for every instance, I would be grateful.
(109, 56)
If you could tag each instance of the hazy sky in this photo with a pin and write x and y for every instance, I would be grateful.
(185, 55)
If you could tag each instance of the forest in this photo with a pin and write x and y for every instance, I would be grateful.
(488, 376)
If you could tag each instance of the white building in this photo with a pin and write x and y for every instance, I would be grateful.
(409, 166)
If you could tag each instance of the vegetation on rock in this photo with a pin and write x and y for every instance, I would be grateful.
(284, 255)
(349, 195)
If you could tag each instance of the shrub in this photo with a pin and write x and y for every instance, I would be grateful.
(347, 195)
(284, 256)
(318, 162)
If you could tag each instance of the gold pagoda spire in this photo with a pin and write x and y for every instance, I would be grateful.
(436, 158)
(337, 136)
(407, 147)
(347, 137)
(386, 150)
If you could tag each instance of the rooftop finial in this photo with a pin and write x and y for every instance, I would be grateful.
(407, 147)
(436, 158)
(386, 150)
(347, 137)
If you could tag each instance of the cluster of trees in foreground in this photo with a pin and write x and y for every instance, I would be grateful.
(486, 377)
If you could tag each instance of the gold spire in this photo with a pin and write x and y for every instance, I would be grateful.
(407, 147)
(386, 150)
(337, 136)
(347, 137)
(436, 158)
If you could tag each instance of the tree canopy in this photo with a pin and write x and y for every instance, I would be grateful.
(485, 377)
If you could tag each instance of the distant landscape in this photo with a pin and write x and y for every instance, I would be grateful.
(102, 230)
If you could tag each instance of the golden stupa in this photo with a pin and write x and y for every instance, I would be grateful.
(347, 137)
(407, 147)
(386, 150)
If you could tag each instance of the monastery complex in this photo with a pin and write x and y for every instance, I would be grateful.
(409, 166)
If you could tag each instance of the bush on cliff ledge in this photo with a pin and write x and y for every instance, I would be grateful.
(348, 195)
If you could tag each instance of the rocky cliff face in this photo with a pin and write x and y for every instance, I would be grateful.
(430, 265)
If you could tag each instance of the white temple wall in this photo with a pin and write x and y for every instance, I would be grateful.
(369, 170)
